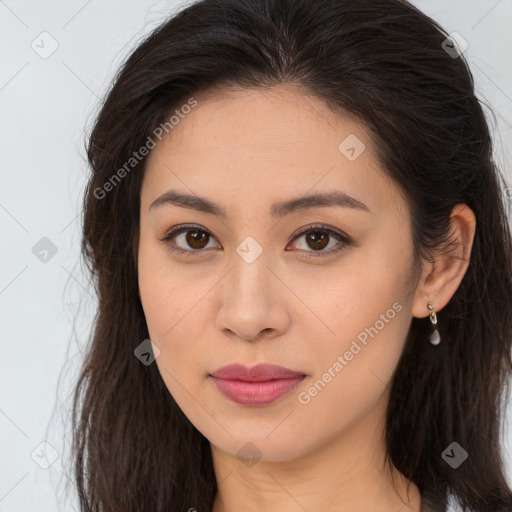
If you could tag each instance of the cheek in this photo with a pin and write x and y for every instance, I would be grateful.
(164, 292)
(173, 314)
(367, 311)
(173, 308)
(172, 311)
(354, 367)
(169, 301)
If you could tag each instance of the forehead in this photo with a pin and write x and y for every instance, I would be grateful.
(257, 142)
(280, 117)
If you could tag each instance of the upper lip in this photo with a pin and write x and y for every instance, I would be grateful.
(259, 373)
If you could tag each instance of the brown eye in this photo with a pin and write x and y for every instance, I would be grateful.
(317, 239)
(189, 240)
(197, 239)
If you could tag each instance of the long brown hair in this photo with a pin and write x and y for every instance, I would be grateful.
(386, 63)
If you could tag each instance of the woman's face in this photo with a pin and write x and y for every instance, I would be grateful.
(248, 289)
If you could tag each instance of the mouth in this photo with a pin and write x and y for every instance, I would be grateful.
(256, 386)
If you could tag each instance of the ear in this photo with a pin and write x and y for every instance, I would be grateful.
(441, 278)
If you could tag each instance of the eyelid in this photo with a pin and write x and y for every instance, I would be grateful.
(341, 237)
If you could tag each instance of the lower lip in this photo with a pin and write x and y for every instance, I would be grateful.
(256, 393)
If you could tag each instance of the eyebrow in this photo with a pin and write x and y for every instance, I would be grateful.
(277, 210)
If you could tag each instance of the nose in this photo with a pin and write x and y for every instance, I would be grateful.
(253, 302)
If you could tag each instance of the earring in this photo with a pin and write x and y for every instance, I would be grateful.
(435, 337)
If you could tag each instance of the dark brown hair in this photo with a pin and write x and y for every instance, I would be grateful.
(384, 63)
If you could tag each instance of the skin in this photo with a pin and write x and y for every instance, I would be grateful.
(246, 149)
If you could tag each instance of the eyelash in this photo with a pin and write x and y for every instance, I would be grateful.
(182, 228)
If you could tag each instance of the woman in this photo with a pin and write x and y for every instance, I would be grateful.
(303, 264)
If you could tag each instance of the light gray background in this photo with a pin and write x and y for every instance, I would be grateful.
(46, 107)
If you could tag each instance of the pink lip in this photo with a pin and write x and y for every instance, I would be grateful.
(259, 385)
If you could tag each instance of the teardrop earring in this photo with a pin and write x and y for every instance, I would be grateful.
(435, 337)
